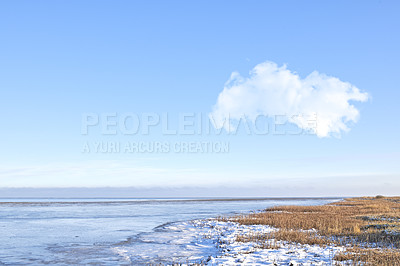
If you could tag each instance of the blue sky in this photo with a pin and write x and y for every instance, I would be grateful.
(59, 60)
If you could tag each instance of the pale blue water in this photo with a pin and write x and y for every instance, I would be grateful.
(82, 231)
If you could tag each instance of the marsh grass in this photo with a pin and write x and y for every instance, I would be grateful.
(285, 235)
(369, 227)
(360, 256)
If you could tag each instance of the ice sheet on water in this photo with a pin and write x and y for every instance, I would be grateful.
(180, 242)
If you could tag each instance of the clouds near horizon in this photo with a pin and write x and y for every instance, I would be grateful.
(271, 90)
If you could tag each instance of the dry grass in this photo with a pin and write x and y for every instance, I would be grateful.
(364, 224)
(286, 235)
(359, 256)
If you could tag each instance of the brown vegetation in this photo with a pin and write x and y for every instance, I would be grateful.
(370, 256)
(285, 235)
(370, 226)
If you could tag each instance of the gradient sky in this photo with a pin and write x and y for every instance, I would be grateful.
(62, 59)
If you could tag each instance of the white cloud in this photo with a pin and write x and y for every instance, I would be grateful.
(271, 90)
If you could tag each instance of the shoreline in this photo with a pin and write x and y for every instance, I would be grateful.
(353, 231)
(211, 241)
(233, 252)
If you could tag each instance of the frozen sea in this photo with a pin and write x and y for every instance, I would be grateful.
(116, 231)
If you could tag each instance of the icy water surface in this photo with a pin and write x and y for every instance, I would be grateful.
(114, 231)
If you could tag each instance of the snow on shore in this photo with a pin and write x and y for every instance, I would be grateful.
(232, 252)
(213, 242)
